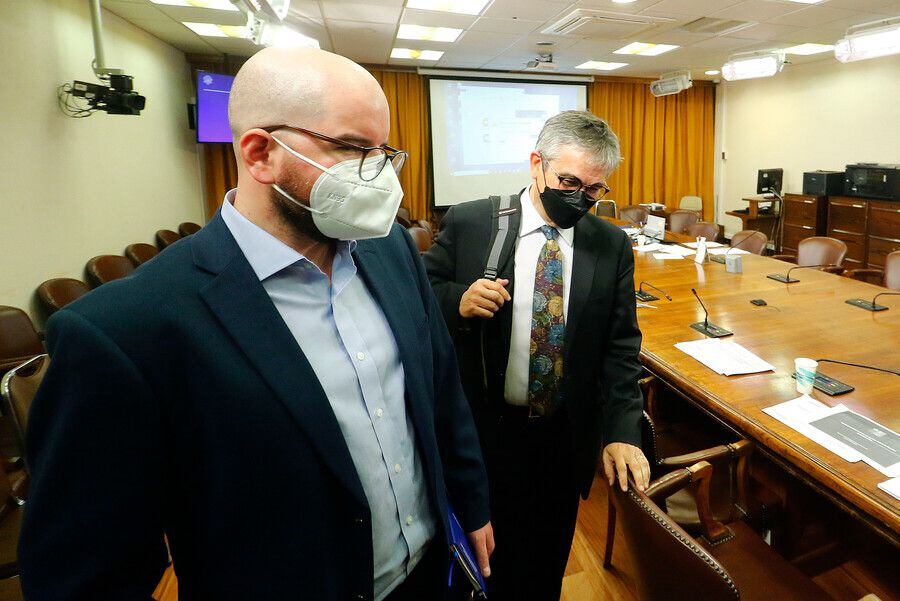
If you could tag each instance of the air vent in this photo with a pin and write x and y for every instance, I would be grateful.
(710, 26)
(587, 23)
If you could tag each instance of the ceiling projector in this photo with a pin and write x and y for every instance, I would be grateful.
(671, 83)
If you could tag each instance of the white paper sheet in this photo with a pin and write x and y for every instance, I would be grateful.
(631, 231)
(648, 247)
(666, 256)
(892, 487)
(731, 251)
(799, 412)
(724, 357)
(681, 251)
(708, 244)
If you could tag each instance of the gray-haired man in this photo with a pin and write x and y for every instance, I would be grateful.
(548, 350)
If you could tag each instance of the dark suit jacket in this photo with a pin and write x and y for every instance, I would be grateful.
(178, 402)
(602, 339)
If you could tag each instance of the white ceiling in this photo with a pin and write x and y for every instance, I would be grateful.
(505, 35)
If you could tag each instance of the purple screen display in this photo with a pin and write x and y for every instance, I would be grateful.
(212, 107)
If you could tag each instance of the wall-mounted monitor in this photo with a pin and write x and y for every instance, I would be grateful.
(212, 107)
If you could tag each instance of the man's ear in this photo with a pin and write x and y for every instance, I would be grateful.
(255, 152)
(535, 167)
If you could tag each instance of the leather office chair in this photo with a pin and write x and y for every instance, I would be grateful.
(403, 217)
(18, 389)
(55, 294)
(187, 228)
(606, 208)
(166, 237)
(140, 252)
(635, 214)
(681, 220)
(710, 231)
(19, 341)
(756, 246)
(889, 277)
(11, 509)
(818, 250)
(421, 237)
(727, 563)
(107, 268)
(691, 203)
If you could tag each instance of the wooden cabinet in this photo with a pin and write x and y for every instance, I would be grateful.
(884, 231)
(804, 216)
(847, 221)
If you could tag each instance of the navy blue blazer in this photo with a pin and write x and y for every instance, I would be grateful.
(177, 402)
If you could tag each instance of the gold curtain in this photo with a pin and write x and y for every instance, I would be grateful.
(667, 143)
(410, 131)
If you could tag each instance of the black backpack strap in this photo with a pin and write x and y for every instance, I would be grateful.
(501, 209)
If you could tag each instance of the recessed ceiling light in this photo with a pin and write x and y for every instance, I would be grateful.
(623, 1)
(807, 49)
(211, 30)
(806, 1)
(216, 4)
(712, 72)
(463, 7)
(645, 49)
(601, 66)
(422, 55)
(434, 34)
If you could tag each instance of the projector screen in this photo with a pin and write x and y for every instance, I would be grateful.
(482, 133)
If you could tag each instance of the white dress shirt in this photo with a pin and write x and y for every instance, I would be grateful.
(530, 243)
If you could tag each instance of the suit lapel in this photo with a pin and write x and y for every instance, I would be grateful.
(583, 266)
(243, 307)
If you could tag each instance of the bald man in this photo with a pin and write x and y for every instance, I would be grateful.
(276, 396)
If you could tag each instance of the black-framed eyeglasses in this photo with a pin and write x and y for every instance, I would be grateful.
(570, 185)
(373, 159)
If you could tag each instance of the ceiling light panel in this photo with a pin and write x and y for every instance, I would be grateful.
(214, 4)
(601, 66)
(422, 55)
(463, 7)
(645, 49)
(211, 30)
(432, 34)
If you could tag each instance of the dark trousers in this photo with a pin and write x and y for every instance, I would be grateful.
(427, 581)
(534, 503)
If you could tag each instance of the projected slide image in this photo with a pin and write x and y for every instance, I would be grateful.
(492, 127)
(212, 107)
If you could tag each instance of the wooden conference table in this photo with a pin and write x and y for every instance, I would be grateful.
(805, 319)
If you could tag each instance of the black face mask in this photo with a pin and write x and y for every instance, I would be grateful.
(565, 210)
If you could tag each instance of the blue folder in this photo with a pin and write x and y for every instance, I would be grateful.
(461, 555)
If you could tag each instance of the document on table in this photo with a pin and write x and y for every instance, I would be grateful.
(681, 251)
(631, 231)
(708, 244)
(845, 433)
(724, 356)
(730, 250)
(892, 487)
(649, 247)
(665, 256)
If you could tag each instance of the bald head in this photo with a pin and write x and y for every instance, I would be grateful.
(300, 87)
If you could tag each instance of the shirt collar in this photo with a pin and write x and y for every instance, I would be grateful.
(532, 221)
(267, 254)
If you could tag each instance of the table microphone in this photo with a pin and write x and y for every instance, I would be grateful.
(706, 328)
(721, 258)
(646, 296)
(871, 306)
(786, 279)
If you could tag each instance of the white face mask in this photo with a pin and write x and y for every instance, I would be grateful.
(346, 207)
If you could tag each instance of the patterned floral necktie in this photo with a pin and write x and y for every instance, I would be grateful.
(547, 329)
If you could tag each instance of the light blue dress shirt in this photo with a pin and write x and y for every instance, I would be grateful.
(350, 346)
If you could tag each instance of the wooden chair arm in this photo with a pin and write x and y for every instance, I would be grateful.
(872, 276)
(698, 476)
(834, 270)
(788, 258)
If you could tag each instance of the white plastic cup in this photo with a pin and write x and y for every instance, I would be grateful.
(641, 239)
(806, 374)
